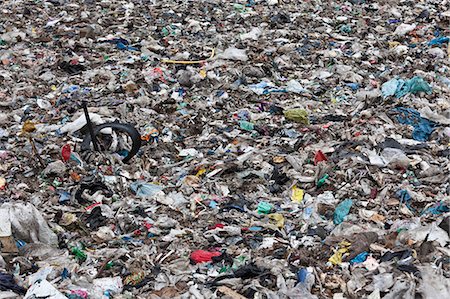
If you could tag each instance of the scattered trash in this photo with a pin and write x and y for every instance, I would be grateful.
(217, 149)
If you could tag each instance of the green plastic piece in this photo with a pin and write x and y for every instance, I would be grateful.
(346, 29)
(298, 115)
(56, 182)
(418, 84)
(109, 265)
(165, 32)
(79, 254)
(322, 180)
(239, 7)
(264, 207)
(246, 125)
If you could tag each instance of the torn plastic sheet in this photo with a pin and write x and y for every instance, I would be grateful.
(422, 126)
(43, 289)
(400, 87)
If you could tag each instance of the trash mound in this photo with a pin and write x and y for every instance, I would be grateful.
(224, 149)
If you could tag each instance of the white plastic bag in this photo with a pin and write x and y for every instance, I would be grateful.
(28, 224)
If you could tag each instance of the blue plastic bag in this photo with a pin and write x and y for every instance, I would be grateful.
(416, 85)
(390, 87)
(439, 41)
(405, 198)
(437, 209)
(342, 210)
(302, 274)
(422, 126)
(360, 258)
(145, 190)
(399, 87)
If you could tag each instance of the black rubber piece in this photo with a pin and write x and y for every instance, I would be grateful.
(116, 126)
(90, 126)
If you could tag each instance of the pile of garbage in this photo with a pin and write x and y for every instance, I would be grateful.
(224, 149)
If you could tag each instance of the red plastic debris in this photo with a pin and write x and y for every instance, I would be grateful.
(65, 152)
(88, 208)
(217, 225)
(373, 193)
(319, 157)
(2, 184)
(202, 256)
(148, 225)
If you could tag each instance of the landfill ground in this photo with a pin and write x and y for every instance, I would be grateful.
(257, 149)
